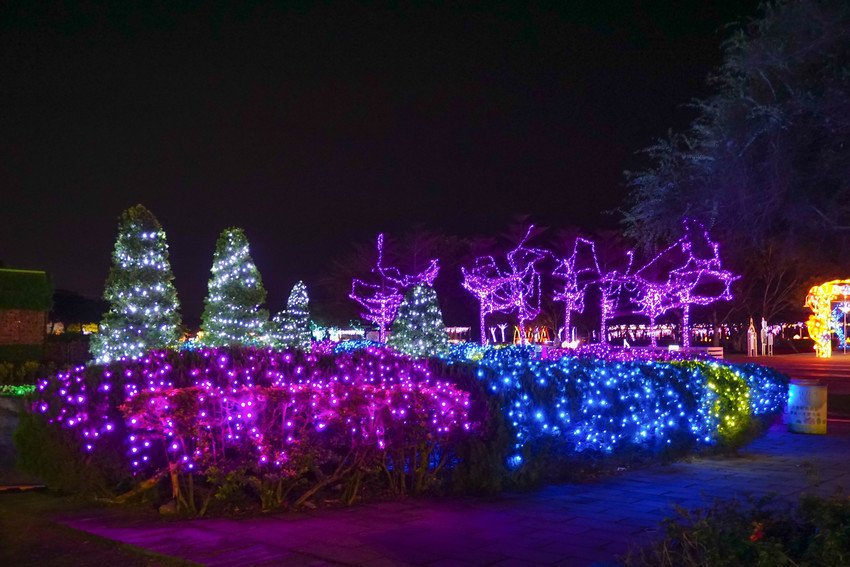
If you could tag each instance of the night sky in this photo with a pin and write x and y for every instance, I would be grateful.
(318, 127)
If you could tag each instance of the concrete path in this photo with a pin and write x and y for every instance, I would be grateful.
(560, 525)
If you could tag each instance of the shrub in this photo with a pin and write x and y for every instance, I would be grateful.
(760, 532)
(211, 420)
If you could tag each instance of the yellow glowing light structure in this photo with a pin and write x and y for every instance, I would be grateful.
(820, 300)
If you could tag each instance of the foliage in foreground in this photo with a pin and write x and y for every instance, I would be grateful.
(761, 532)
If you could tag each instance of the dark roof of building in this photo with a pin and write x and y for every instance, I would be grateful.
(25, 289)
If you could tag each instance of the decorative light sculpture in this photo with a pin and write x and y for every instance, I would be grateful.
(819, 300)
(516, 290)
(142, 300)
(383, 299)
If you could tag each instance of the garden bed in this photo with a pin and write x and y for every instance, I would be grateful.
(226, 427)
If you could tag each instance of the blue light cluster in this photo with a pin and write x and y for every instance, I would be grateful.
(583, 404)
(351, 346)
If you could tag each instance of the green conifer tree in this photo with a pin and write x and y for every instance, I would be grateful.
(235, 292)
(418, 329)
(291, 327)
(143, 307)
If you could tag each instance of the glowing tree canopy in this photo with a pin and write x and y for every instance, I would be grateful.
(291, 327)
(382, 299)
(516, 290)
(418, 330)
(819, 300)
(232, 311)
(576, 272)
(142, 300)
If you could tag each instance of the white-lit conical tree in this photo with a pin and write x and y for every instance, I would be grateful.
(235, 292)
(143, 308)
(291, 327)
(418, 329)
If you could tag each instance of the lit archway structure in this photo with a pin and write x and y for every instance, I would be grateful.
(820, 300)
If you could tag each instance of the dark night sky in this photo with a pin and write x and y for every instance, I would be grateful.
(320, 126)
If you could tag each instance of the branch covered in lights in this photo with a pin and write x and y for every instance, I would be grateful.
(516, 290)
(694, 276)
(576, 272)
(382, 300)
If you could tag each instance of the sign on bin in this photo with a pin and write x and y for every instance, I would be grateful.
(807, 407)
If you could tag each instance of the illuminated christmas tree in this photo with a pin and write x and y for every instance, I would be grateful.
(418, 329)
(142, 300)
(232, 311)
(291, 327)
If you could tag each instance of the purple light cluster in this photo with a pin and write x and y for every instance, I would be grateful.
(686, 273)
(382, 300)
(577, 272)
(696, 278)
(252, 405)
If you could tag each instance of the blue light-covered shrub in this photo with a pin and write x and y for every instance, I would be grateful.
(581, 406)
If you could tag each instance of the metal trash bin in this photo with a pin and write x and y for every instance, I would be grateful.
(806, 407)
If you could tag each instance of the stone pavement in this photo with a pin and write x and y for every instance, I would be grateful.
(572, 524)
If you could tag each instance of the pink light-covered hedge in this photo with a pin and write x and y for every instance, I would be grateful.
(274, 420)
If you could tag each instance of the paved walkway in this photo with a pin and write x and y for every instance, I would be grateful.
(560, 525)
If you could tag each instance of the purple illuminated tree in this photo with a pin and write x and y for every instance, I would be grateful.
(692, 275)
(577, 272)
(701, 280)
(381, 300)
(610, 284)
(516, 290)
